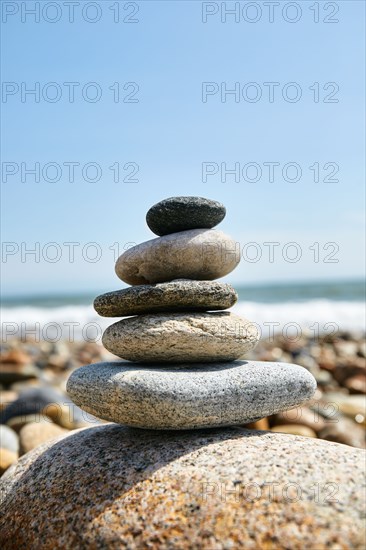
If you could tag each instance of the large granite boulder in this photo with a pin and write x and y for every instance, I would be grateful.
(114, 487)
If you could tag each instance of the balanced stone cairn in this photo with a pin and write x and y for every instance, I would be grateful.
(183, 367)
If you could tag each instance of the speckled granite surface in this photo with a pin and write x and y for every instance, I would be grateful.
(150, 396)
(179, 295)
(112, 487)
(182, 337)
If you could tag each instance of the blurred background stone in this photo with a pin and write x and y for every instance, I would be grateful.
(336, 413)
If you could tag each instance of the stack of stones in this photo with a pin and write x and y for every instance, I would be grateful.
(181, 352)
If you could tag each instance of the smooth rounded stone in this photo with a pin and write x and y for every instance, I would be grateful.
(113, 487)
(189, 396)
(16, 423)
(353, 406)
(261, 424)
(8, 439)
(201, 254)
(179, 295)
(344, 430)
(356, 384)
(12, 372)
(15, 357)
(333, 404)
(181, 337)
(301, 416)
(34, 434)
(7, 458)
(39, 403)
(182, 213)
(294, 429)
(7, 397)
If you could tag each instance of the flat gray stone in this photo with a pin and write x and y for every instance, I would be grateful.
(180, 295)
(112, 488)
(181, 337)
(200, 254)
(182, 213)
(189, 396)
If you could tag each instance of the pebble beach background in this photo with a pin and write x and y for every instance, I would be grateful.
(318, 326)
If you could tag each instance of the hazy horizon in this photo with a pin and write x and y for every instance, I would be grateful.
(265, 285)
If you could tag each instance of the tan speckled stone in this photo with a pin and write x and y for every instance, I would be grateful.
(36, 433)
(196, 254)
(181, 337)
(111, 487)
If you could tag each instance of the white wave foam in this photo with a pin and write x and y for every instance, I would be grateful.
(53, 324)
(82, 322)
(313, 316)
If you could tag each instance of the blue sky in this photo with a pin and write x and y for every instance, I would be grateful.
(169, 132)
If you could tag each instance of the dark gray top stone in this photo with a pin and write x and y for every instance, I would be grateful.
(179, 295)
(182, 213)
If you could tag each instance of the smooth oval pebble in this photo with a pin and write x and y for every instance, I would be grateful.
(8, 439)
(39, 403)
(7, 458)
(180, 295)
(181, 337)
(294, 429)
(114, 488)
(189, 396)
(201, 254)
(35, 433)
(182, 213)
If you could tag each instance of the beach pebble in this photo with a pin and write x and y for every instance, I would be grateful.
(112, 487)
(346, 349)
(349, 367)
(261, 424)
(362, 349)
(182, 213)
(36, 433)
(301, 416)
(42, 403)
(16, 423)
(8, 439)
(353, 406)
(181, 337)
(189, 396)
(7, 458)
(31, 401)
(12, 372)
(356, 384)
(201, 254)
(7, 397)
(294, 429)
(180, 295)
(344, 430)
(15, 357)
